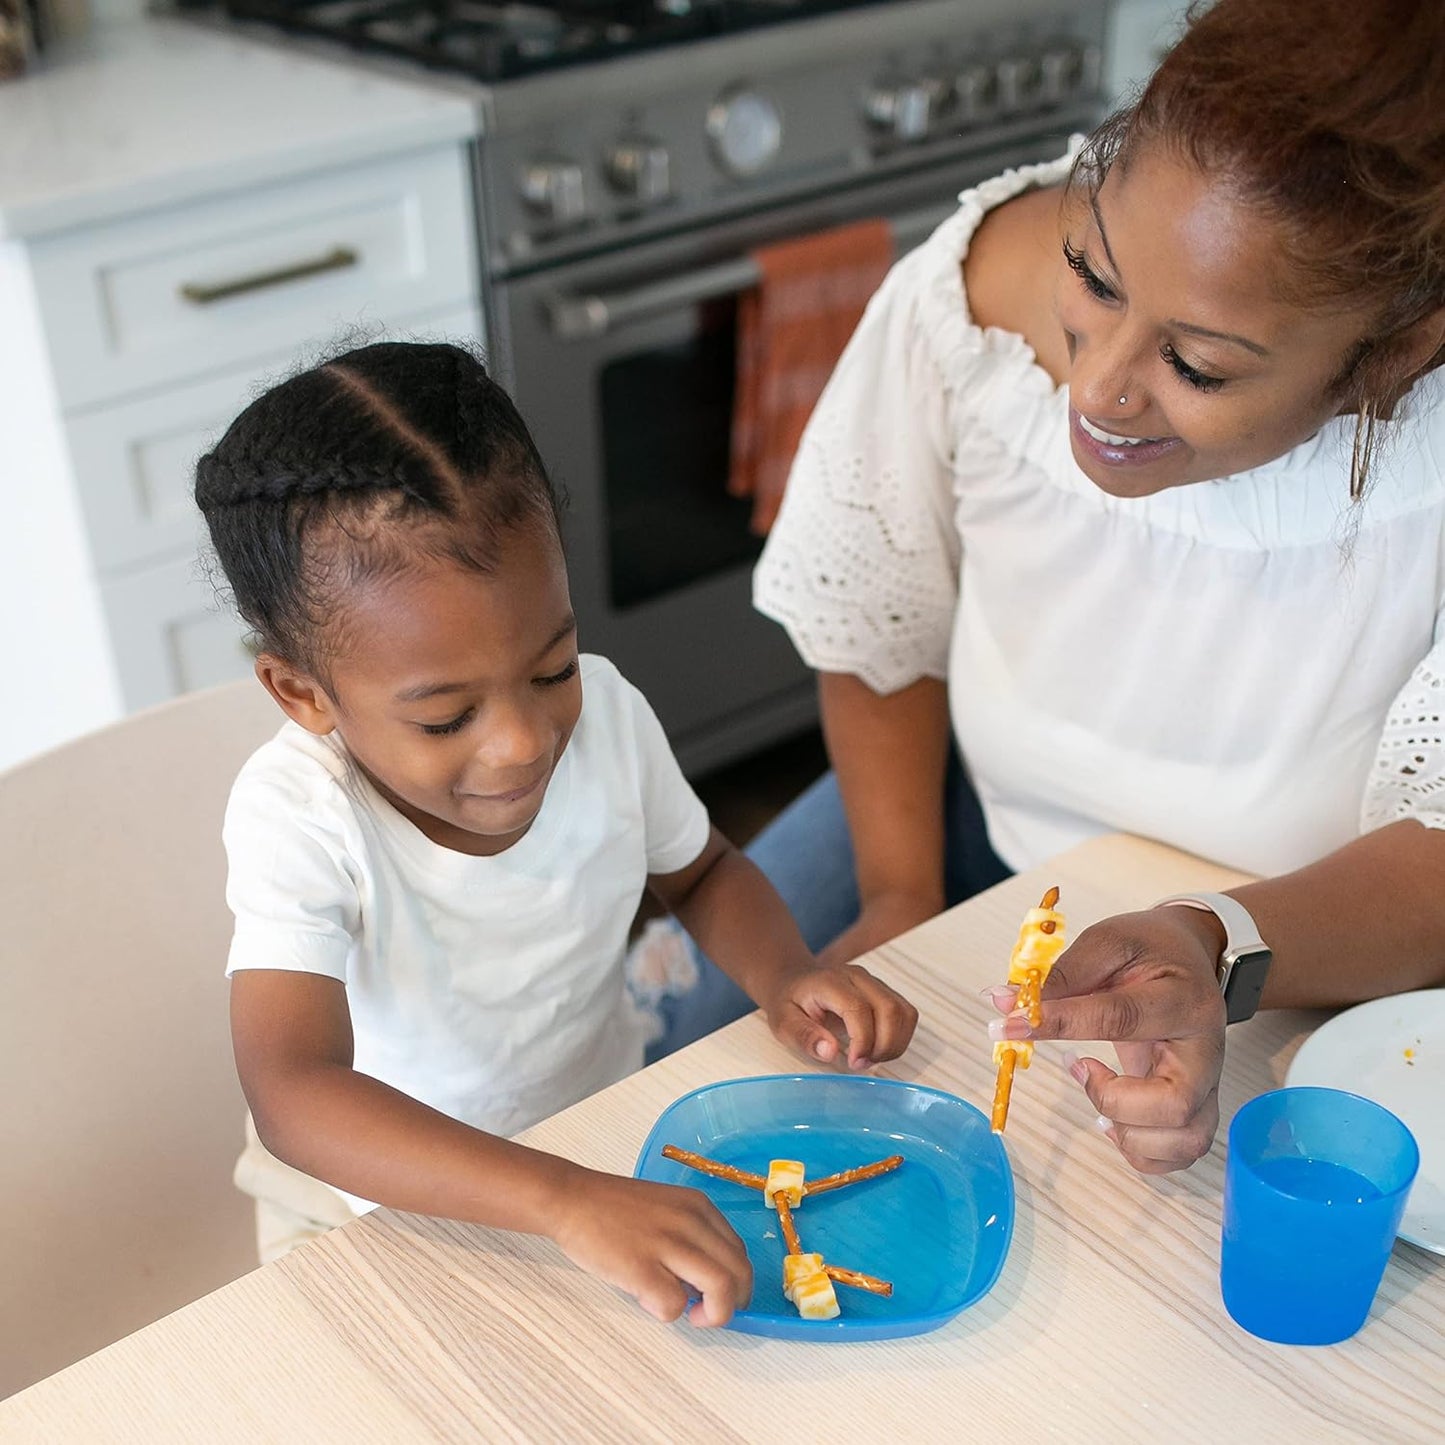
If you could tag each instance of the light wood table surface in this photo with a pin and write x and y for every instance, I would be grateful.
(1106, 1323)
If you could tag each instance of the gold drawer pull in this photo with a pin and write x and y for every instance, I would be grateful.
(336, 259)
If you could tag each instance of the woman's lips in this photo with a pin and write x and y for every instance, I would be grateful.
(1117, 453)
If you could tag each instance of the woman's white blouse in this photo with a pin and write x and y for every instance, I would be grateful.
(1251, 669)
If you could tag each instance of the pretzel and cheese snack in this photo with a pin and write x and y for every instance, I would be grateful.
(814, 1297)
(785, 1177)
(799, 1267)
(1042, 938)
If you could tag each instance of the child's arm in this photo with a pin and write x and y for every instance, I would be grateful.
(293, 1043)
(741, 923)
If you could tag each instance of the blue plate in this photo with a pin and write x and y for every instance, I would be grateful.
(938, 1226)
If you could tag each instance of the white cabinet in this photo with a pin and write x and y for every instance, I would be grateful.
(150, 300)
(124, 350)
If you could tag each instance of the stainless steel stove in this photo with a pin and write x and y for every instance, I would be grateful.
(498, 41)
(631, 156)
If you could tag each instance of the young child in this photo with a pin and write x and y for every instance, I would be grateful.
(435, 863)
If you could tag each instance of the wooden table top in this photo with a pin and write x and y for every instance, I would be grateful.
(1106, 1323)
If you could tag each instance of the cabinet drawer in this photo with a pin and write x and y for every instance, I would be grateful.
(171, 633)
(135, 461)
(174, 294)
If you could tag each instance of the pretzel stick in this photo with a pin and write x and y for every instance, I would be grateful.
(855, 1280)
(853, 1176)
(1030, 999)
(705, 1165)
(785, 1219)
(1002, 1089)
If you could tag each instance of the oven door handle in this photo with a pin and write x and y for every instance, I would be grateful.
(585, 318)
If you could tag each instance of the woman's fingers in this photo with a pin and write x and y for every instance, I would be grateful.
(1157, 1151)
(1165, 1008)
(1137, 976)
(1164, 1119)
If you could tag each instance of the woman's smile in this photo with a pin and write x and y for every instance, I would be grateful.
(1110, 449)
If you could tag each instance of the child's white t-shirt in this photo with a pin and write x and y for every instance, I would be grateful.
(489, 988)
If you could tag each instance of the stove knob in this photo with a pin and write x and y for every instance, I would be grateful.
(555, 189)
(746, 131)
(1068, 71)
(640, 169)
(1018, 84)
(908, 111)
(1058, 71)
(975, 91)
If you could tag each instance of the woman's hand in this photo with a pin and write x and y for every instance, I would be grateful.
(1145, 982)
(661, 1243)
(811, 1009)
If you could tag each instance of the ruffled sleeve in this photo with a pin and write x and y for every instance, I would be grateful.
(1408, 776)
(861, 567)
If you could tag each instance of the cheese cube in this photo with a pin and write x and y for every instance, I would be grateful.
(814, 1297)
(1035, 948)
(1023, 1052)
(799, 1267)
(785, 1177)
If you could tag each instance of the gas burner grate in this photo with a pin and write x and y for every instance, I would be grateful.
(498, 41)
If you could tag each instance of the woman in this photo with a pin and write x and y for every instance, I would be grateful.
(1137, 467)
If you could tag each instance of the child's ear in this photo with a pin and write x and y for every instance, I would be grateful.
(299, 696)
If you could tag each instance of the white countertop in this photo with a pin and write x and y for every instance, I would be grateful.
(159, 111)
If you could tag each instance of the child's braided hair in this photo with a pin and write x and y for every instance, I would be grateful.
(361, 467)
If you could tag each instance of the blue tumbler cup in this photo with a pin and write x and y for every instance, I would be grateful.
(1314, 1187)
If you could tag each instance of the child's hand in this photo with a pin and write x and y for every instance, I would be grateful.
(810, 1009)
(661, 1243)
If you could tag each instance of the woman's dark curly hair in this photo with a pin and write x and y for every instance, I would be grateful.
(1329, 118)
(361, 467)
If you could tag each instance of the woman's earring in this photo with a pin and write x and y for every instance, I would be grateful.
(1123, 401)
(1364, 445)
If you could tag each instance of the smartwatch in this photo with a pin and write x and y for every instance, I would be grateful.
(1244, 963)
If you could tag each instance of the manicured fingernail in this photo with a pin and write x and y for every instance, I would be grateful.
(1076, 1066)
(820, 1050)
(1001, 996)
(1014, 1027)
(1103, 1123)
(863, 1063)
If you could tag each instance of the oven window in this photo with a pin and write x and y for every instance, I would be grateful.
(666, 433)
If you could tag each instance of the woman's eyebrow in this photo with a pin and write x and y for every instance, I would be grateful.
(1186, 326)
(1244, 341)
(1103, 234)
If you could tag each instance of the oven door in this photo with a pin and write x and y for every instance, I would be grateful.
(623, 366)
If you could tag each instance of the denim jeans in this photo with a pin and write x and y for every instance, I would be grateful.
(807, 855)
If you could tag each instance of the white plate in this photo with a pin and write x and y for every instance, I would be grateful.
(1392, 1050)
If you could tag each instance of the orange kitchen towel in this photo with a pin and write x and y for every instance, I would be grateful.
(791, 329)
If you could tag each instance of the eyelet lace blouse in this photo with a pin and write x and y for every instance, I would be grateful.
(1251, 669)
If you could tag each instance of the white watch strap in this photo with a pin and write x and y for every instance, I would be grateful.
(1240, 933)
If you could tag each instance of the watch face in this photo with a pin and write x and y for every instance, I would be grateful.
(1245, 983)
